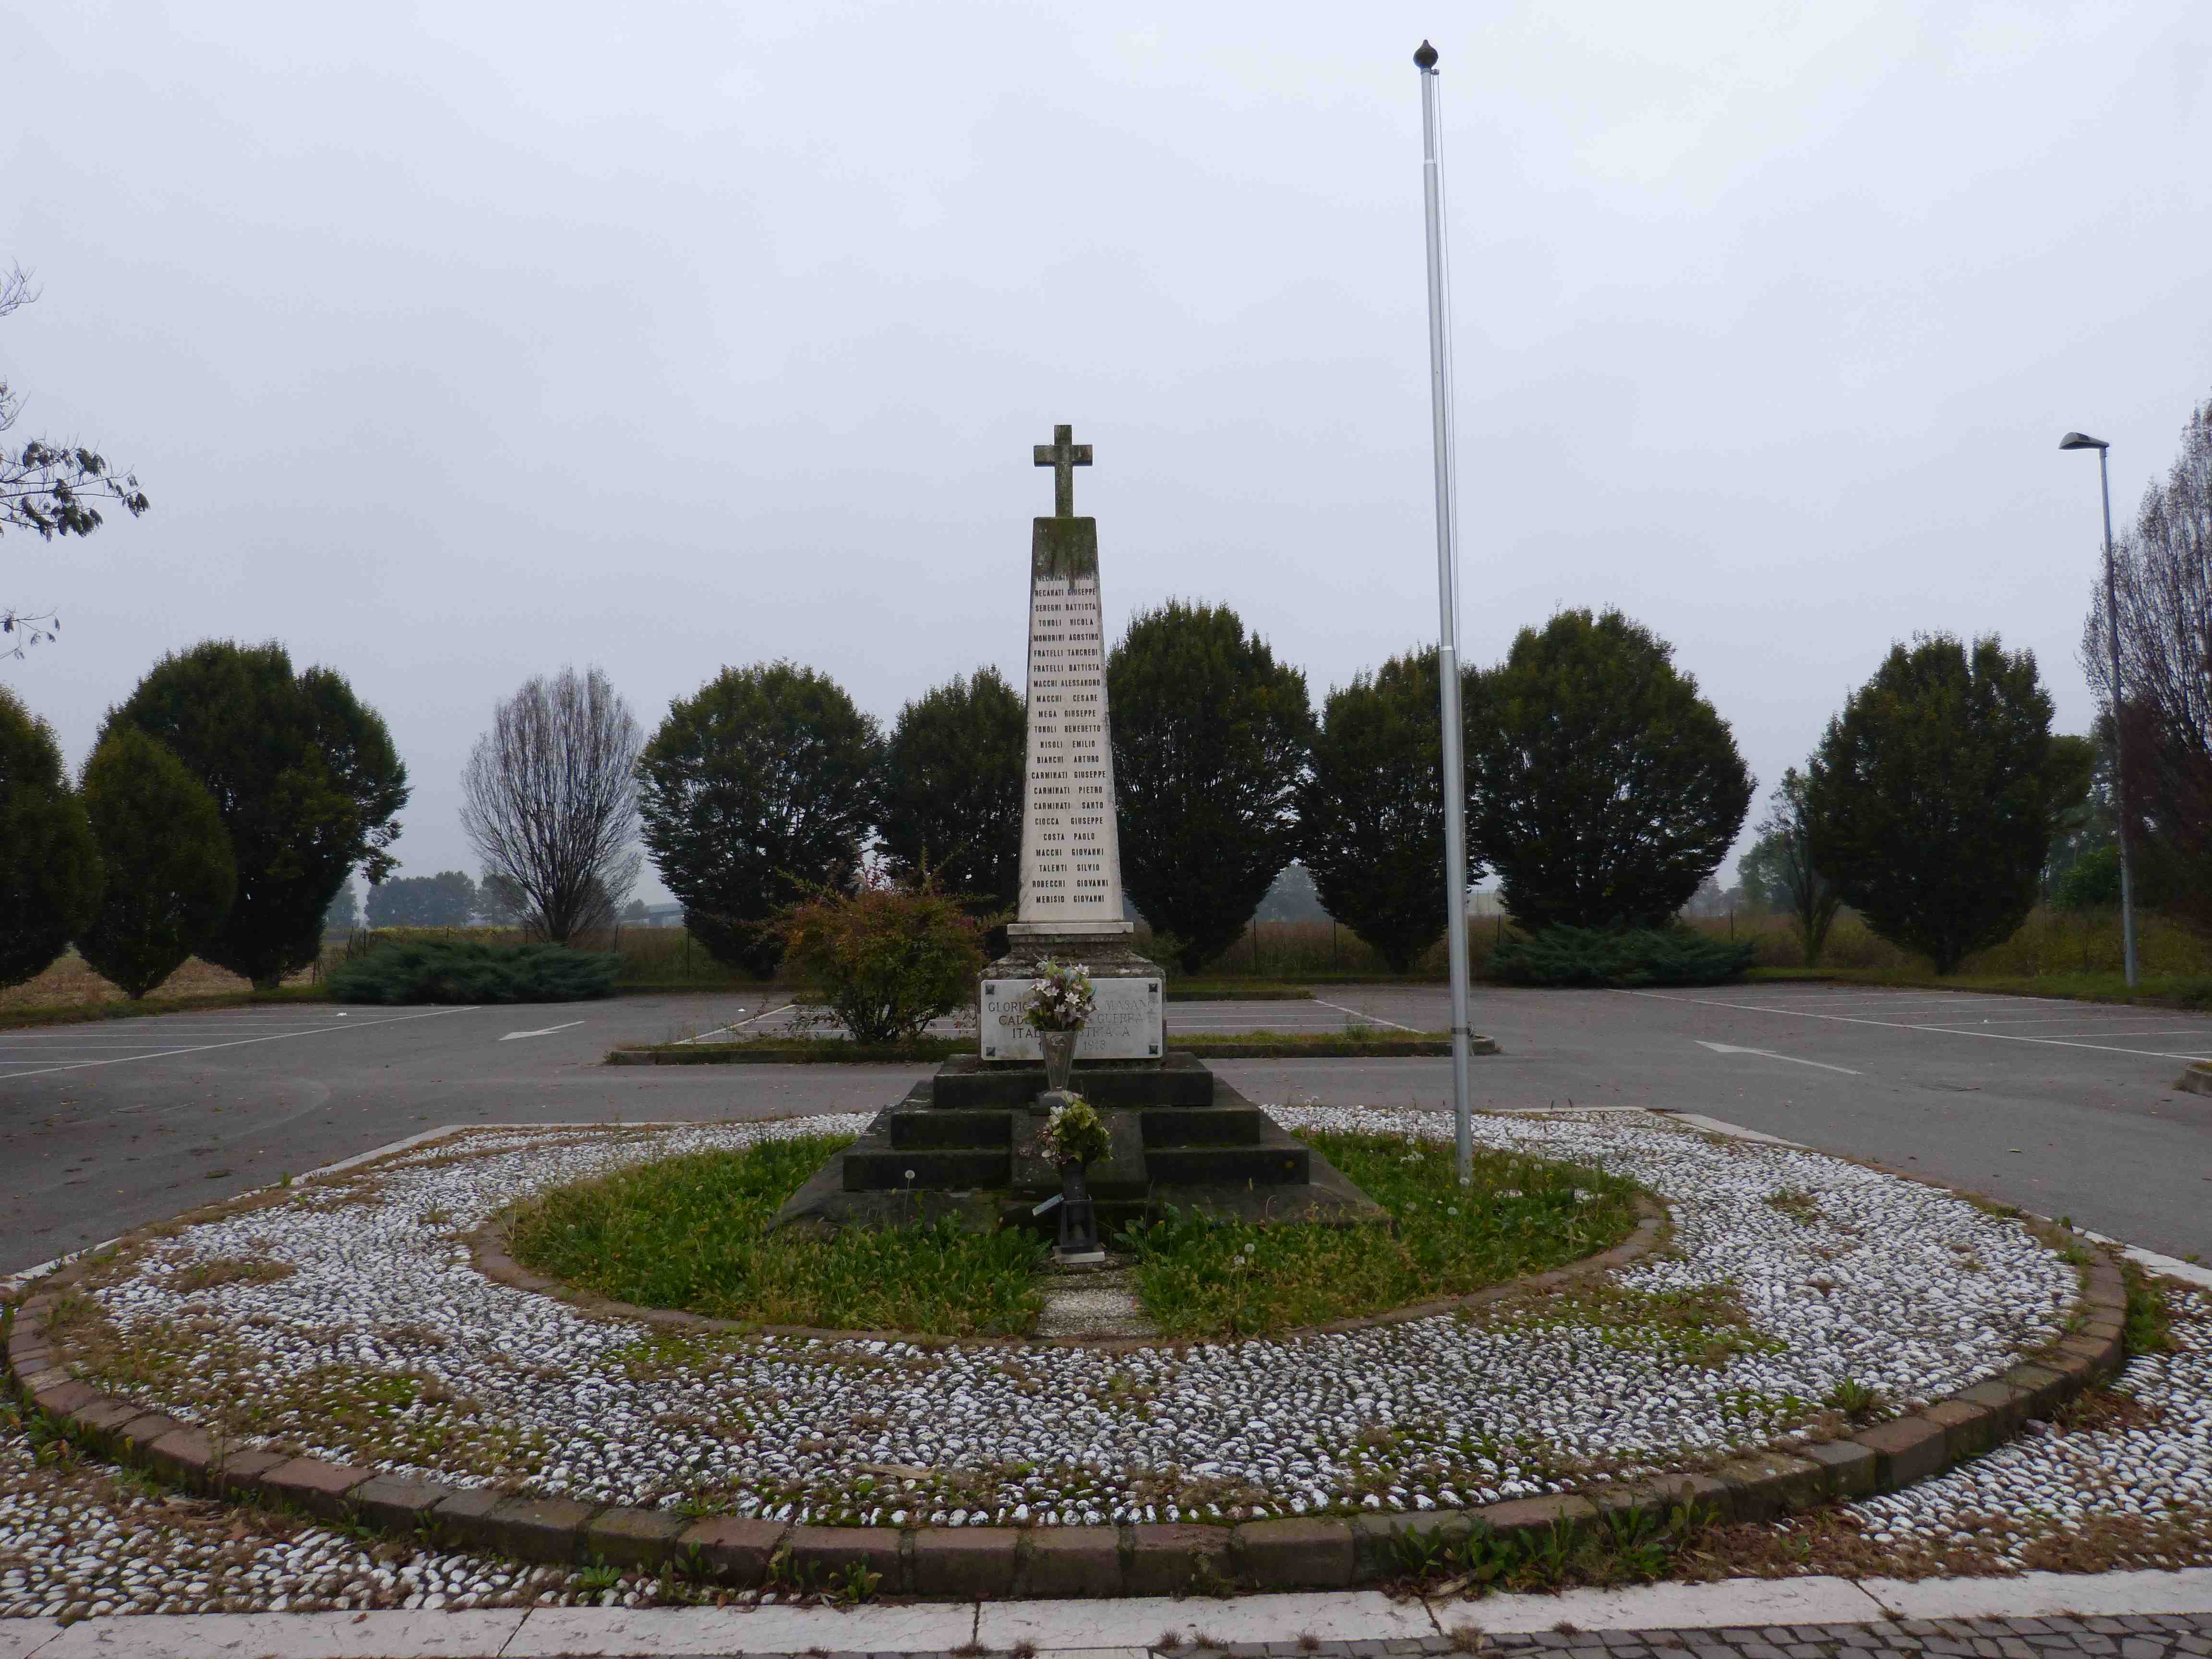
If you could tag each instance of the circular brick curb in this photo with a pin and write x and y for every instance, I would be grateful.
(487, 1250)
(1318, 1552)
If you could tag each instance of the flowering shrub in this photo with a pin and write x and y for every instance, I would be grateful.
(1075, 1130)
(1060, 999)
(886, 960)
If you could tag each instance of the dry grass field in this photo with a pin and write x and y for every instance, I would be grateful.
(71, 983)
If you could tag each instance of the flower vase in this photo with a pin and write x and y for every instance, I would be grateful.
(1058, 1056)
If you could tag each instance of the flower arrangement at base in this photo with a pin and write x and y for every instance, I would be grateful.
(1060, 998)
(1075, 1131)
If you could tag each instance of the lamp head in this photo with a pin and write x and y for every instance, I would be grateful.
(1425, 58)
(2081, 440)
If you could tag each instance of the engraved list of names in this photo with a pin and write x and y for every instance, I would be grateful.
(1071, 854)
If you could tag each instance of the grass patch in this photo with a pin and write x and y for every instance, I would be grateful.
(1204, 1277)
(2149, 1323)
(693, 1233)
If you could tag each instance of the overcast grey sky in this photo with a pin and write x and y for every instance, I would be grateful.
(456, 343)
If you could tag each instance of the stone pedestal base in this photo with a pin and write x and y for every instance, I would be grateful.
(1129, 1023)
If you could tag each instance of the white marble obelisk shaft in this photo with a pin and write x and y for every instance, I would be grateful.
(1071, 854)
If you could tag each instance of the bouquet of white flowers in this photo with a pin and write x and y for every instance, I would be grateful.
(1060, 998)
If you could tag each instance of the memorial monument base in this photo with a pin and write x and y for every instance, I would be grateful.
(1129, 1021)
(967, 1144)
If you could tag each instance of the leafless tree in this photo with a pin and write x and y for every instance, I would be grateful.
(2164, 582)
(48, 487)
(549, 799)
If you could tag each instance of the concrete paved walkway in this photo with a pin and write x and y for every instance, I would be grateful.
(2123, 1615)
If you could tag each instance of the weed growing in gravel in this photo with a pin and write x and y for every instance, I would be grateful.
(1633, 1546)
(693, 1233)
(1203, 1276)
(2150, 1325)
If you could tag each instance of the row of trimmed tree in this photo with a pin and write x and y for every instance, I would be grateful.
(1604, 788)
(222, 808)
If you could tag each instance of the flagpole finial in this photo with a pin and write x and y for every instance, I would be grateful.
(1425, 58)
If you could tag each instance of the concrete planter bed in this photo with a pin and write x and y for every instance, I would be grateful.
(566, 1431)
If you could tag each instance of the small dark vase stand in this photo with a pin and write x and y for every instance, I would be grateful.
(1078, 1224)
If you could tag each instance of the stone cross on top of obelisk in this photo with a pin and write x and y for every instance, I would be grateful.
(1063, 457)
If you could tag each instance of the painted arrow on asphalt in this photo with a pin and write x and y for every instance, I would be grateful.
(548, 1031)
(1768, 1054)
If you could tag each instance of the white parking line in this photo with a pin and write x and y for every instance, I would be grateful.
(1915, 1025)
(238, 1042)
(704, 1036)
(1367, 1019)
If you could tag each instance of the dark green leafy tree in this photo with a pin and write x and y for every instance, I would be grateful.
(1370, 810)
(952, 789)
(1603, 788)
(447, 899)
(1801, 889)
(756, 792)
(167, 864)
(305, 777)
(1932, 796)
(50, 488)
(1758, 876)
(1211, 735)
(2082, 822)
(50, 876)
(343, 914)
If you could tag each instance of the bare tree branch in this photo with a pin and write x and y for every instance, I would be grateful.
(51, 489)
(550, 800)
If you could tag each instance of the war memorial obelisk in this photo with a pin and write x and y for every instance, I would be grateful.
(1071, 901)
(969, 1144)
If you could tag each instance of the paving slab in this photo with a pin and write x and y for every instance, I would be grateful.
(1139, 1621)
(931, 1626)
(288, 1636)
(1731, 1603)
(2040, 1595)
(21, 1638)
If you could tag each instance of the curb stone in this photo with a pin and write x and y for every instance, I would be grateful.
(964, 1563)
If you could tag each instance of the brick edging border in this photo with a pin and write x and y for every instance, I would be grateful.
(1321, 1552)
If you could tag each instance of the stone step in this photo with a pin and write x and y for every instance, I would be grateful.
(924, 1130)
(1229, 1166)
(1179, 1080)
(950, 1169)
(1202, 1126)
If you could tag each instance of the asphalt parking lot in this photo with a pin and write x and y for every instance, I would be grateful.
(2066, 1109)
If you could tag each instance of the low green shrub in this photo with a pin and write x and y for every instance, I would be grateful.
(1638, 955)
(463, 970)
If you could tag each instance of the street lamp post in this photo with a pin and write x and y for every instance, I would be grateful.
(2082, 441)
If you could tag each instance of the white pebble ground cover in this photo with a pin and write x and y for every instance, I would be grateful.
(2125, 1480)
(366, 1332)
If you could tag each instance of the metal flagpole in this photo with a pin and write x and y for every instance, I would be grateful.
(1447, 607)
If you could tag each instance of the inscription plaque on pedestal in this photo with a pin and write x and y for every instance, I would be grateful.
(1125, 1021)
